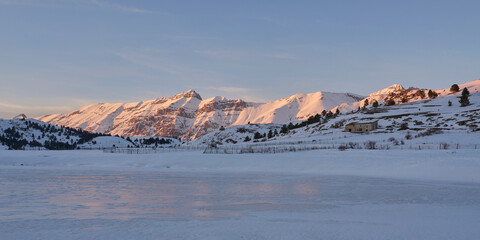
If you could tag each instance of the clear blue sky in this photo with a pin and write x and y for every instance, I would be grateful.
(58, 55)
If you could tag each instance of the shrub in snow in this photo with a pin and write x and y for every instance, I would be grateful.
(454, 88)
(390, 102)
(408, 136)
(370, 145)
(403, 126)
(444, 145)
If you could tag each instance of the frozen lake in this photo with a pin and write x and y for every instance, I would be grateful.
(86, 204)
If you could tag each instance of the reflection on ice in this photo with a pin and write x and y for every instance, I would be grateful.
(34, 194)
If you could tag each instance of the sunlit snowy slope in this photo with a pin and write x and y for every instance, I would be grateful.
(187, 116)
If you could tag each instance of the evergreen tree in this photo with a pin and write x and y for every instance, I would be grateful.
(270, 134)
(449, 103)
(432, 94)
(375, 104)
(464, 101)
(454, 88)
(284, 129)
(247, 139)
(257, 135)
(337, 112)
(324, 112)
(390, 102)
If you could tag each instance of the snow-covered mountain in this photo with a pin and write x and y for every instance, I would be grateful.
(438, 122)
(187, 116)
(398, 94)
(296, 107)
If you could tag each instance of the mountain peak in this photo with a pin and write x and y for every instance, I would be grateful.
(388, 90)
(20, 116)
(188, 94)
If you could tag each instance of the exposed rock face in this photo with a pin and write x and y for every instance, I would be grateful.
(187, 116)
(184, 115)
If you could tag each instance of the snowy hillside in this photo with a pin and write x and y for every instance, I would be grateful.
(434, 123)
(187, 116)
(296, 107)
(396, 94)
(22, 133)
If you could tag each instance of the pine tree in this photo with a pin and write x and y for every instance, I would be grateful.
(270, 134)
(337, 112)
(275, 133)
(432, 94)
(464, 101)
(449, 103)
(257, 135)
(284, 129)
(247, 139)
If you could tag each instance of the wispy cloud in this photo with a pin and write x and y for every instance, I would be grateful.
(150, 61)
(221, 53)
(243, 54)
(34, 108)
(264, 19)
(281, 56)
(18, 2)
(178, 37)
(167, 63)
(119, 7)
(231, 89)
(247, 94)
(98, 3)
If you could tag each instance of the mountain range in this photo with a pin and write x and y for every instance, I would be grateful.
(188, 116)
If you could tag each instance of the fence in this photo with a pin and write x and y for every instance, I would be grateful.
(153, 150)
(282, 148)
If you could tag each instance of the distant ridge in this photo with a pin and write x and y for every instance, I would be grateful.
(188, 116)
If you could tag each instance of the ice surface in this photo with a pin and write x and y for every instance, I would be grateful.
(307, 195)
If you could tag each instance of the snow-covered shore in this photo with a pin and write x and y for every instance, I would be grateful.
(437, 165)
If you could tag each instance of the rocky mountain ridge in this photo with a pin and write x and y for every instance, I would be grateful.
(188, 116)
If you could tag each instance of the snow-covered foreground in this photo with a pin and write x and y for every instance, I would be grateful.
(188, 195)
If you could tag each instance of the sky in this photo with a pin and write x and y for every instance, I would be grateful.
(59, 55)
